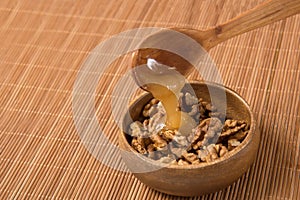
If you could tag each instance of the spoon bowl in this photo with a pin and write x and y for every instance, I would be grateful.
(262, 15)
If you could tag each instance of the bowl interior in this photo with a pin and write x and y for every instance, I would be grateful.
(236, 108)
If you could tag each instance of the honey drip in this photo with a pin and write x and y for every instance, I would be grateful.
(165, 84)
(169, 101)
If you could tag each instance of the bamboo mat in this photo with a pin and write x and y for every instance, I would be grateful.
(42, 47)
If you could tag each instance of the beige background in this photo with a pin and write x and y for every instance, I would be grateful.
(42, 46)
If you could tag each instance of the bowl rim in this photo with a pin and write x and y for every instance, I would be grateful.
(224, 159)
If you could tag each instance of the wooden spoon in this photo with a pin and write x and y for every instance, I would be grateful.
(263, 14)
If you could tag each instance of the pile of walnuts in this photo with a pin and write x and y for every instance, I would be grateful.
(210, 140)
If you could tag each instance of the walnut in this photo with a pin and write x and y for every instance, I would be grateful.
(212, 152)
(167, 135)
(157, 118)
(191, 158)
(146, 141)
(180, 141)
(167, 159)
(190, 100)
(154, 101)
(215, 124)
(240, 135)
(149, 106)
(218, 147)
(139, 145)
(158, 142)
(203, 103)
(197, 145)
(232, 143)
(200, 130)
(211, 148)
(158, 153)
(207, 110)
(188, 103)
(174, 162)
(223, 151)
(146, 110)
(136, 129)
(207, 133)
(194, 111)
(210, 108)
(182, 162)
(232, 127)
(233, 133)
(146, 123)
(230, 123)
(177, 151)
(158, 108)
(151, 148)
(201, 111)
(209, 153)
(214, 156)
(207, 142)
(202, 154)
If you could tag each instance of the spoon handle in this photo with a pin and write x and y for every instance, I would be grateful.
(263, 14)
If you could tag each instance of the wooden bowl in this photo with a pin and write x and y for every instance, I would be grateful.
(194, 180)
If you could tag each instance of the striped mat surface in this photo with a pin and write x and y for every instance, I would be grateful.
(43, 45)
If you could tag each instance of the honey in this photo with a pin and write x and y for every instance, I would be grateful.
(164, 83)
